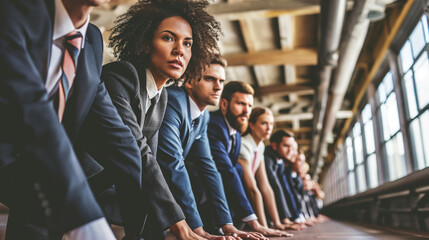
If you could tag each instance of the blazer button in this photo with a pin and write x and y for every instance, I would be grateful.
(41, 196)
(140, 106)
(45, 203)
(37, 186)
(48, 212)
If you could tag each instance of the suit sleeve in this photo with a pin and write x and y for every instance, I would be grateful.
(162, 205)
(171, 160)
(279, 194)
(200, 155)
(29, 126)
(233, 186)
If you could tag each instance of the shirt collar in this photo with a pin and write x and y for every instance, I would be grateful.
(232, 131)
(252, 141)
(151, 89)
(195, 111)
(64, 25)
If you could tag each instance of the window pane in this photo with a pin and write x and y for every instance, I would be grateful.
(349, 149)
(358, 149)
(417, 39)
(392, 114)
(422, 83)
(388, 82)
(372, 171)
(406, 56)
(351, 183)
(417, 143)
(382, 92)
(385, 122)
(369, 137)
(366, 113)
(396, 157)
(425, 27)
(411, 96)
(360, 171)
(356, 129)
(424, 120)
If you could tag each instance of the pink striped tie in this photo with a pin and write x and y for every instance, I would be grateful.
(73, 44)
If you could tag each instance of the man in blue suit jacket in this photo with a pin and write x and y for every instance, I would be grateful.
(40, 176)
(224, 132)
(183, 135)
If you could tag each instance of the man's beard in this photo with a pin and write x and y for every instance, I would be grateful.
(235, 121)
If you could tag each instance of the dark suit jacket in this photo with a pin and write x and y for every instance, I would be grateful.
(29, 126)
(226, 163)
(274, 170)
(178, 141)
(127, 89)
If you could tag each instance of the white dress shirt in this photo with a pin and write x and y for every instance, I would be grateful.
(62, 26)
(151, 89)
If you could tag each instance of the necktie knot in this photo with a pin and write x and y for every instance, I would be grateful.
(73, 44)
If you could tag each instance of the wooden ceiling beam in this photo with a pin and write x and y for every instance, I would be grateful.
(297, 57)
(342, 114)
(283, 90)
(267, 8)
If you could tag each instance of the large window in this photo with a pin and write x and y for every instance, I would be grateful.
(392, 142)
(351, 180)
(370, 155)
(358, 151)
(414, 63)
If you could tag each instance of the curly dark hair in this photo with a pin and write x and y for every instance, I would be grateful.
(134, 30)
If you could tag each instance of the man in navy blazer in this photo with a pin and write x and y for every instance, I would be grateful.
(40, 176)
(224, 132)
(183, 137)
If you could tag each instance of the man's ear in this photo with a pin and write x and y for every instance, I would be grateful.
(188, 84)
(274, 146)
(223, 104)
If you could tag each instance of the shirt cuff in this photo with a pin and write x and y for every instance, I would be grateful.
(249, 218)
(96, 229)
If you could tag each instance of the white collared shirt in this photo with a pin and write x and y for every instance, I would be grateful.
(151, 89)
(62, 26)
(231, 131)
(195, 110)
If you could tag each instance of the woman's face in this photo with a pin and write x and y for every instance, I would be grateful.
(263, 126)
(171, 49)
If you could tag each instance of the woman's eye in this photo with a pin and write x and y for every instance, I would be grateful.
(167, 38)
(188, 44)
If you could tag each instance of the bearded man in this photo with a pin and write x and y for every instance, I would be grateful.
(224, 132)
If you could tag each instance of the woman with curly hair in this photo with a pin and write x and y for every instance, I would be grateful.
(156, 41)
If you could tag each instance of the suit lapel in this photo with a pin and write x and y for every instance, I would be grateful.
(47, 58)
(83, 91)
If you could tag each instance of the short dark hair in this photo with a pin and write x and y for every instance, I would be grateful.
(218, 59)
(277, 137)
(236, 86)
(133, 32)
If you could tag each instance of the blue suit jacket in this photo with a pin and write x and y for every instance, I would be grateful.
(29, 126)
(226, 163)
(179, 141)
